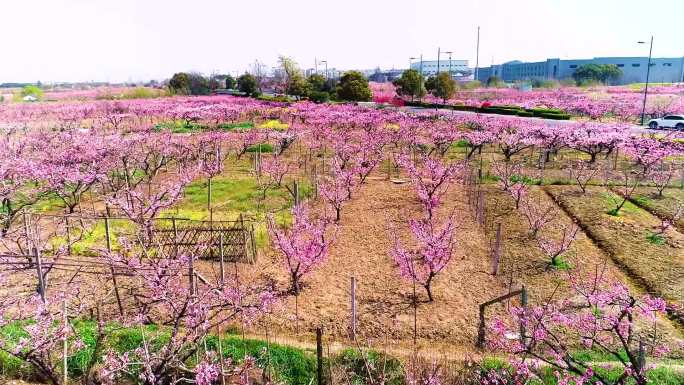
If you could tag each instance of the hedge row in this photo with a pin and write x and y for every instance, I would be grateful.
(546, 113)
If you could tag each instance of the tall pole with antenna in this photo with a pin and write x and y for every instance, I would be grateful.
(648, 72)
(449, 52)
(438, 54)
(477, 54)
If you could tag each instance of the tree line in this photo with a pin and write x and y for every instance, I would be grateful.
(287, 79)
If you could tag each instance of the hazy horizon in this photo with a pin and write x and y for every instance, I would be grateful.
(80, 40)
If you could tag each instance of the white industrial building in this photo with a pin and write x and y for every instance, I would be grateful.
(458, 68)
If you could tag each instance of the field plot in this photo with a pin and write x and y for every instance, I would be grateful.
(656, 262)
(171, 230)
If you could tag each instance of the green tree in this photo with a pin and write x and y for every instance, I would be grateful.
(31, 90)
(353, 86)
(494, 81)
(293, 82)
(180, 83)
(199, 85)
(442, 86)
(411, 83)
(317, 82)
(230, 82)
(604, 73)
(248, 84)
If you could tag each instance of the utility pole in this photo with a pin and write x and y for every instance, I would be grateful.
(477, 55)
(648, 73)
(449, 52)
(421, 72)
(438, 54)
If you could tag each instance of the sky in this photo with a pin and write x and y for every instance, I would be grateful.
(137, 40)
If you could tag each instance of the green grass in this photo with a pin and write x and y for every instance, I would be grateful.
(656, 239)
(263, 148)
(561, 264)
(179, 127)
(629, 208)
(94, 237)
(235, 126)
(524, 179)
(289, 365)
(234, 196)
(657, 376)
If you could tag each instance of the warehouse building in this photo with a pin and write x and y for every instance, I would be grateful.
(663, 70)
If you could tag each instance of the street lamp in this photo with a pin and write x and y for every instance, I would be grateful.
(411, 59)
(326, 68)
(438, 53)
(648, 72)
(420, 68)
(449, 52)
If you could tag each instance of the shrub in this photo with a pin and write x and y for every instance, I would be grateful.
(263, 147)
(319, 96)
(353, 86)
(366, 367)
(233, 126)
(247, 83)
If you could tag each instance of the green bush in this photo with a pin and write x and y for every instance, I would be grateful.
(263, 147)
(355, 365)
(290, 365)
(232, 126)
(319, 96)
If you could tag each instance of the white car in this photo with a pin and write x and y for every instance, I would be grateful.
(667, 121)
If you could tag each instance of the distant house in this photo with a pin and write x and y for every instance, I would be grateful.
(29, 98)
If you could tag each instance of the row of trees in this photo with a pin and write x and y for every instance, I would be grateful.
(193, 83)
(414, 85)
(596, 73)
(287, 79)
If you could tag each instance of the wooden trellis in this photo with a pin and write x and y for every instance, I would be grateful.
(208, 239)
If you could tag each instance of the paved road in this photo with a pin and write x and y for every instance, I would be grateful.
(636, 129)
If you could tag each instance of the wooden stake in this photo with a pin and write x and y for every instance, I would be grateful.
(65, 351)
(220, 351)
(319, 355)
(353, 308)
(223, 271)
(497, 250)
(39, 270)
(111, 267)
(68, 234)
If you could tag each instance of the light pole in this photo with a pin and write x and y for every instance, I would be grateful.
(421, 76)
(326, 68)
(438, 54)
(477, 56)
(411, 59)
(648, 72)
(449, 52)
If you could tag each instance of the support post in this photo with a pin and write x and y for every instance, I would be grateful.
(481, 327)
(39, 271)
(295, 192)
(319, 355)
(497, 250)
(111, 267)
(353, 308)
(27, 234)
(220, 352)
(223, 271)
(65, 352)
(68, 234)
(523, 302)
